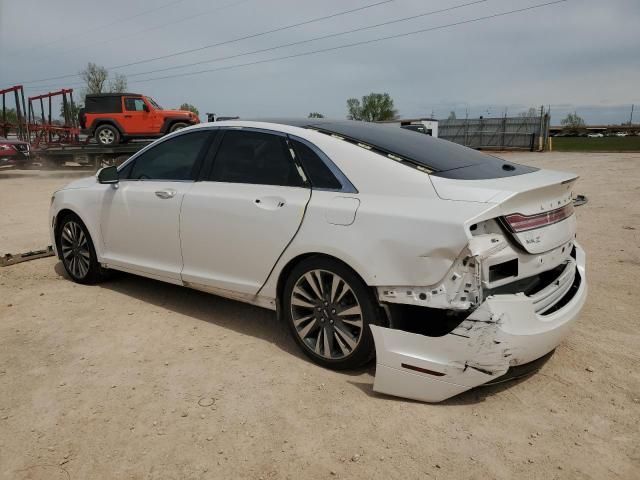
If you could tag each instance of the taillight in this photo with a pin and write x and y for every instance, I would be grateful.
(521, 223)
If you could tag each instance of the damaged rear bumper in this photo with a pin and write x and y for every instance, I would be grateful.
(504, 331)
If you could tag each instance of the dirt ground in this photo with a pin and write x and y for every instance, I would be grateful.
(135, 379)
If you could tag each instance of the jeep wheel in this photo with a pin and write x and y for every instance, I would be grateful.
(178, 126)
(107, 135)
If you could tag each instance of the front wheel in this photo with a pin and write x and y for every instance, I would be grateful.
(77, 251)
(329, 310)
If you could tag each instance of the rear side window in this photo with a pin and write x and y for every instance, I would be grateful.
(134, 104)
(256, 158)
(103, 104)
(318, 171)
(173, 159)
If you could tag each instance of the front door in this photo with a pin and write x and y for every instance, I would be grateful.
(136, 118)
(236, 223)
(140, 215)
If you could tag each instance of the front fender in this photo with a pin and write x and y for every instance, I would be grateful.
(87, 210)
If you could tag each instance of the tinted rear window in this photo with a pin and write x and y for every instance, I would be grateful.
(318, 172)
(106, 104)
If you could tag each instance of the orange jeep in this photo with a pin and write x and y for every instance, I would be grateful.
(118, 117)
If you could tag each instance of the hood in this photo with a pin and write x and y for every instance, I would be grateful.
(80, 183)
(180, 113)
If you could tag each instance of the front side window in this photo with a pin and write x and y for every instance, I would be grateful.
(256, 158)
(173, 159)
(134, 104)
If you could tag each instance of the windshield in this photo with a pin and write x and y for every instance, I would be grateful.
(154, 103)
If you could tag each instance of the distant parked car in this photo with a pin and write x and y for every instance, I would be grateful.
(595, 135)
(621, 134)
(13, 152)
(115, 117)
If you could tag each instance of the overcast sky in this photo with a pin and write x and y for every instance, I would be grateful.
(581, 55)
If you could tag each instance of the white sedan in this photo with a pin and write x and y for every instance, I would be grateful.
(451, 267)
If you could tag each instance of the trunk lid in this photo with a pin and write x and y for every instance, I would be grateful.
(544, 196)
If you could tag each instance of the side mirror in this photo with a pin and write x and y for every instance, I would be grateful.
(108, 175)
(145, 107)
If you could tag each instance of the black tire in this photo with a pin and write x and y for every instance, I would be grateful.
(78, 257)
(327, 314)
(107, 135)
(178, 126)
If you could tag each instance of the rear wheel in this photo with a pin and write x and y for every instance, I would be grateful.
(107, 135)
(178, 126)
(329, 310)
(77, 251)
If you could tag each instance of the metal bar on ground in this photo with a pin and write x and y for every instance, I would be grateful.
(11, 259)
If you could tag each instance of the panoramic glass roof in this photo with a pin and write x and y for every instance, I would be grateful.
(443, 158)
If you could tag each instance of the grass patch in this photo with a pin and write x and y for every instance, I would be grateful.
(604, 144)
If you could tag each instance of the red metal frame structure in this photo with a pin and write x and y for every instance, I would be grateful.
(42, 129)
(21, 127)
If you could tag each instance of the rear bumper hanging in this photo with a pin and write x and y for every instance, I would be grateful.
(504, 331)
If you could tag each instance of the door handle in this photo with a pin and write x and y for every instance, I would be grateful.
(270, 203)
(164, 194)
(127, 116)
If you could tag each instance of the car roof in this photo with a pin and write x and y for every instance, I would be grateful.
(442, 157)
(113, 94)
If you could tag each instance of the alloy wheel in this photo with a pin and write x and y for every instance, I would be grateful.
(75, 249)
(106, 136)
(326, 314)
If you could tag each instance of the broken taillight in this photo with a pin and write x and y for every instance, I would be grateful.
(521, 223)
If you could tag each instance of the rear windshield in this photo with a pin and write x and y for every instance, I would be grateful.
(441, 157)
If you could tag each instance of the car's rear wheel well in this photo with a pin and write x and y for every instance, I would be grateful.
(99, 123)
(285, 272)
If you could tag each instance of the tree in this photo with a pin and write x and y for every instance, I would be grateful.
(95, 78)
(572, 121)
(189, 108)
(452, 115)
(315, 115)
(374, 107)
(11, 118)
(118, 84)
(354, 108)
(532, 112)
(73, 112)
(11, 115)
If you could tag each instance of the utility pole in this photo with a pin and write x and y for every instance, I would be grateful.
(631, 116)
(540, 133)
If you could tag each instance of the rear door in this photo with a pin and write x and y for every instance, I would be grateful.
(236, 223)
(140, 215)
